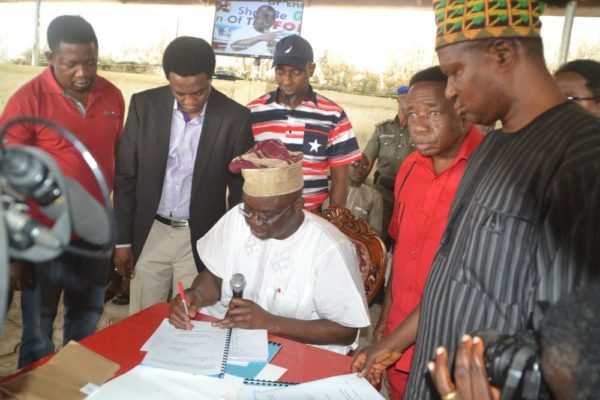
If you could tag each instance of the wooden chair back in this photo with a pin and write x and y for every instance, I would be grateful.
(370, 250)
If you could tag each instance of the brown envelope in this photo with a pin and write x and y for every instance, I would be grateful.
(61, 378)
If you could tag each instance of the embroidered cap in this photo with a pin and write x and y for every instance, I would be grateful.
(293, 50)
(269, 169)
(461, 20)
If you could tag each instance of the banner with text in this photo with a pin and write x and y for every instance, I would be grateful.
(253, 28)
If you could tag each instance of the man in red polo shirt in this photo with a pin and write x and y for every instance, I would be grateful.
(425, 186)
(70, 94)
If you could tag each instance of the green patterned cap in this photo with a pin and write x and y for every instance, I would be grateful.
(461, 20)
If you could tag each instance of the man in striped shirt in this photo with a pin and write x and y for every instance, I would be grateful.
(308, 122)
(525, 222)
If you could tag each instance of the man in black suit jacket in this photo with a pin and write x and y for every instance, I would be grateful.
(172, 172)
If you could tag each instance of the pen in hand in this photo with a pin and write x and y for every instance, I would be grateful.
(182, 295)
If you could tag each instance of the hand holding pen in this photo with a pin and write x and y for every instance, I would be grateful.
(188, 320)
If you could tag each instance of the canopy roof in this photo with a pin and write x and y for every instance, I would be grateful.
(571, 9)
(585, 8)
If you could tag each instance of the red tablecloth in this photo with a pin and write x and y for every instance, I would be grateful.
(121, 343)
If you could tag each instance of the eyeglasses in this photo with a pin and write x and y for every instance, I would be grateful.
(264, 220)
(575, 98)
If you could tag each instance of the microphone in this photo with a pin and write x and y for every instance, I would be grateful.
(24, 232)
(237, 283)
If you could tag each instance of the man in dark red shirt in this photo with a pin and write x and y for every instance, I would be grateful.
(70, 94)
(425, 186)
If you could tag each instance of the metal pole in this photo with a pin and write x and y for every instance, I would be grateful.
(36, 34)
(566, 35)
(4, 264)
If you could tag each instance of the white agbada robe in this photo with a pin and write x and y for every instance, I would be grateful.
(313, 274)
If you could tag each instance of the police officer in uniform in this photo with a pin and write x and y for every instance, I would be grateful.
(389, 145)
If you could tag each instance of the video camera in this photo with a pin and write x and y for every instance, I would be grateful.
(29, 175)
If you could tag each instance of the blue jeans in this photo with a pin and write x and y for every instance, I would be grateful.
(83, 280)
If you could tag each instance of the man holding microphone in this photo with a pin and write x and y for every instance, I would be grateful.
(302, 279)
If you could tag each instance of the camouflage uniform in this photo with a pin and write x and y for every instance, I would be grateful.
(390, 144)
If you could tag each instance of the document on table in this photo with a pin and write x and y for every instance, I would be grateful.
(142, 383)
(342, 387)
(248, 345)
(202, 350)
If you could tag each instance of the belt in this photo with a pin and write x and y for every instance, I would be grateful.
(173, 223)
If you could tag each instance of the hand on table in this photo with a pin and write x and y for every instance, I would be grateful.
(471, 379)
(372, 361)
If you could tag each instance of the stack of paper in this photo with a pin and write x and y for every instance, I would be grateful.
(143, 383)
(342, 387)
(248, 345)
(255, 368)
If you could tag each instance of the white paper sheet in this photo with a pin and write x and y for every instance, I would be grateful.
(271, 373)
(197, 351)
(341, 387)
(142, 383)
(249, 391)
(248, 345)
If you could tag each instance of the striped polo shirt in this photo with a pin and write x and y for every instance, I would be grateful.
(317, 127)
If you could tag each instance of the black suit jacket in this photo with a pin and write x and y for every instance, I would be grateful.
(142, 161)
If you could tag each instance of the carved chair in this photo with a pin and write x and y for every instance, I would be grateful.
(370, 250)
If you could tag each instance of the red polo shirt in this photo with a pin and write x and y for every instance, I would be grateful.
(421, 208)
(99, 129)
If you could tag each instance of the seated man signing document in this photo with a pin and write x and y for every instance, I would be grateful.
(302, 276)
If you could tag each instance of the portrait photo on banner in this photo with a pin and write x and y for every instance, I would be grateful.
(253, 28)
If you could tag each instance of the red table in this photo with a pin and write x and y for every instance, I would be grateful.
(121, 343)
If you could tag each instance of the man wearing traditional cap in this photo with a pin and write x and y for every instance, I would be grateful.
(389, 145)
(523, 226)
(302, 276)
(307, 122)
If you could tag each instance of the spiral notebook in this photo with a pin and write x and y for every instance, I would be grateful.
(202, 350)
